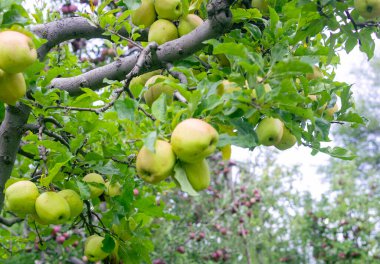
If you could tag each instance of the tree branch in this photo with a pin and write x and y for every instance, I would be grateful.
(10, 222)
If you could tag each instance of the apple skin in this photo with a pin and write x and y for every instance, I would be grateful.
(287, 141)
(12, 87)
(17, 51)
(198, 174)
(267, 89)
(155, 167)
(156, 88)
(113, 189)
(93, 248)
(226, 87)
(21, 196)
(94, 177)
(194, 139)
(368, 9)
(317, 73)
(74, 201)
(162, 31)
(169, 9)
(188, 24)
(52, 208)
(137, 83)
(262, 5)
(269, 131)
(145, 15)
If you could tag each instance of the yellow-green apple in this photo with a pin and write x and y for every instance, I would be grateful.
(17, 51)
(198, 174)
(330, 111)
(74, 201)
(368, 9)
(52, 208)
(162, 31)
(156, 87)
(113, 189)
(20, 197)
(12, 87)
(93, 248)
(188, 23)
(154, 167)
(320, 109)
(287, 140)
(226, 87)
(269, 131)
(267, 89)
(169, 9)
(145, 15)
(262, 5)
(194, 139)
(94, 178)
(137, 83)
(317, 73)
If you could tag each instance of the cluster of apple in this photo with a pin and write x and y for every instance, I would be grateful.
(17, 52)
(163, 29)
(23, 198)
(192, 141)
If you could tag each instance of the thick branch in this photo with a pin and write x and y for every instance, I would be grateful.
(168, 52)
(10, 222)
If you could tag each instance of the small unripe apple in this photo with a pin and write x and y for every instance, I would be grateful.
(93, 248)
(169, 9)
(162, 31)
(188, 23)
(145, 15)
(112, 190)
(368, 9)
(269, 131)
(21, 197)
(94, 178)
(52, 208)
(12, 87)
(74, 201)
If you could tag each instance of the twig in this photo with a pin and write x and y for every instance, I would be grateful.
(40, 241)
(27, 154)
(178, 75)
(129, 160)
(42, 128)
(53, 121)
(10, 222)
(353, 23)
(204, 64)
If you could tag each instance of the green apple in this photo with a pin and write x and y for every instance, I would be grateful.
(169, 9)
(162, 31)
(12, 87)
(269, 131)
(287, 140)
(21, 196)
(188, 23)
(94, 178)
(74, 201)
(93, 248)
(145, 15)
(17, 51)
(198, 174)
(330, 111)
(226, 87)
(368, 9)
(137, 83)
(113, 189)
(262, 5)
(267, 89)
(194, 139)
(156, 87)
(157, 166)
(52, 208)
(317, 74)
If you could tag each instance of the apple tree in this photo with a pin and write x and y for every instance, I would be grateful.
(82, 112)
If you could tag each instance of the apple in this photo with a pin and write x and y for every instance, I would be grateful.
(317, 73)
(93, 248)
(368, 9)
(137, 83)
(198, 174)
(52, 208)
(95, 178)
(113, 189)
(12, 87)
(21, 196)
(17, 51)
(269, 131)
(169, 9)
(157, 166)
(156, 87)
(188, 23)
(330, 111)
(226, 87)
(287, 140)
(262, 5)
(193, 140)
(162, 31)
(267, 89)
(74, 201)
(145, 15)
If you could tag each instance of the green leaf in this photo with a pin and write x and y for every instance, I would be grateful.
(84, 190)
(126, 108)
(150, 140)
(338, 152)
(159, 107)
(108, 244)
(180, 176)
(2, 112)
(53, 172)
